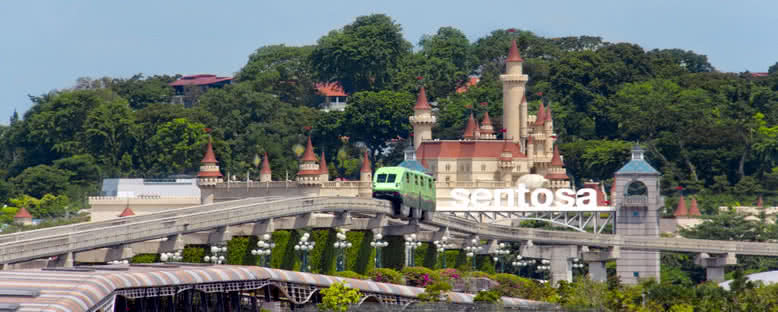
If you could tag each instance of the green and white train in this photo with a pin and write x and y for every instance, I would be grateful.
(411, 192)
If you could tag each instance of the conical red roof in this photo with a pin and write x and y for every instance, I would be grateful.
(548, 114)
(127, 212)
(366, 164)
(556, 160)
(513, 53)
(421, 101)
(507, 154)
(694, 211)
(22, 213)
(470, 128)
(486, 122)
(209, 157)
(323, 164)
(265, 165)
(680, 210)
(309, 155)
(541, 115)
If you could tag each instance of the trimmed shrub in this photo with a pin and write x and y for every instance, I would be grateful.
(387, 276)
(193, 254)
(145, 258)
(350, 274)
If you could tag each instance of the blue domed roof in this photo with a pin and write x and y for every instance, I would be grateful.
(637, 165)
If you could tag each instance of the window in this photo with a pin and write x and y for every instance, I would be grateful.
(381, 178)
(636, 274)
(448, 167)
(407, 178)
(390, 178)
(635, 214)
(448, 179)
(483, 167)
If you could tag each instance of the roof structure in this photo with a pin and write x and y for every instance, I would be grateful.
(468, 149)
(323, 164)
(85, 288)
(23, 214)
(265, 165)
(556, 160)
(127, 212)
(366, 164)
(513, 53)
(486, 121)
(540, 116)
(198, 80)
(209, 157)
(637, 165)
(330, 89)
(421, 101)
(470, 128)
(471, 81)
(547, 116)
(309, 155)
(680, 210)
(694, 211)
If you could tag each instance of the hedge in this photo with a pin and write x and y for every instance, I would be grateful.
(145, 258)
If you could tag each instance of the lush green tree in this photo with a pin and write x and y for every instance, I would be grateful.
(361, 55)
(727, 226)
(384, 114)
(109, 132)
(281, 70)
(42, 179)
(596, 159)
(177, 147)
(83, 166)
(338, 297)
(141, 92)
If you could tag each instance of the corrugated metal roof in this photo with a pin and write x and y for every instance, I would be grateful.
(80, 290)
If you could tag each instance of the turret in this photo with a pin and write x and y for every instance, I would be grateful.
(513, 87)
(127, 212)
(265, 174)
(505, 162)
(470, 129)
(209, 173)
(309, 171)
(556, 173)
(422, 119)
(487, 130)
(325, 172)
(694, 211)
(680, 210)
(23, 217)
(548, 130)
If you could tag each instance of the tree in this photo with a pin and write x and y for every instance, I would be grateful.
(338, 297)
(384, 113)
(361, 55)
(42, 179)
(281, 70)
(109, 132)
(141, 92)
(435, 292)
(727, 226)
(773, 68)
(177, 147)
(83, 166)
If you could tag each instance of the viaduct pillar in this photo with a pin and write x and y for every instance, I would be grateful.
(637, 201)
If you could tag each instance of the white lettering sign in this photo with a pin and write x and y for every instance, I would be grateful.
(521, 198)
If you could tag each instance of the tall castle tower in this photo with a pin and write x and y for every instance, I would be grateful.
(422, 119)
(209, 173)
(309, 172)
(514, 83)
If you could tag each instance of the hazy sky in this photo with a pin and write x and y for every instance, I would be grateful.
(46, 45)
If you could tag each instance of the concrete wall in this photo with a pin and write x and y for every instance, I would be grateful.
(109, 207)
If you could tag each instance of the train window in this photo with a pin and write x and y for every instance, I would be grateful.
(407, 178)
(381, 178)
(390, 178)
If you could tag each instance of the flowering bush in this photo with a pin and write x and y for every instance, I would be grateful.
(419, 276)
(452, 275)
(386, 276)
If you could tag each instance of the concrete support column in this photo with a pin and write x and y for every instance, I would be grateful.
(597, 271)
(561, 259)
(714, 265)
(6, 266)
(120, 252)
(220, 236)
(63, 261)
(263, 227)
(172, 243)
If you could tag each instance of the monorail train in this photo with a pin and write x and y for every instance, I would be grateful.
(411, 192)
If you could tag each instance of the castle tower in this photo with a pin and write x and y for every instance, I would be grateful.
(470, 129)
(209, 173)
(530, 148)
(506, 162)
(556, 173)
(422, 119)
(548, 130)
(513, 89)
(487, 130)
(265, 174)
(680, 209)
(694, 210)
(309, 171)
(23, 217)
(366, 178)
(637, 201)
(538, 133)
(325, 172)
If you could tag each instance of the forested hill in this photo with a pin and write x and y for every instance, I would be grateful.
(706, 131)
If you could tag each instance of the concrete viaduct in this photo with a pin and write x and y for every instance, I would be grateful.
(216, 223)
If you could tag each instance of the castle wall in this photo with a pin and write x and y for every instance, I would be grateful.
(109, 207)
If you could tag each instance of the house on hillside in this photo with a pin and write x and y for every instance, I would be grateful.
(334, 97)
(189, 88)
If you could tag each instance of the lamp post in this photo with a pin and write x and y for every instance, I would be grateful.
(264, 249)
(519, 263)
(341, 246)
(410, 246)
(500, 253)
(125, 261)
(217, 255)
(304, 246)
(577, 264)
(441, 246)
(472, 251)
(378, 243)
(171, 256)
(544, 267)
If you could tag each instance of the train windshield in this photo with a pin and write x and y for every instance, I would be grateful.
(391, 178)
(381, 178)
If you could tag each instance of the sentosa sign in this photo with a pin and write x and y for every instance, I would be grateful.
(522, 199)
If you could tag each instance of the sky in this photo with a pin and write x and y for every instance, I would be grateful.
(47, 45)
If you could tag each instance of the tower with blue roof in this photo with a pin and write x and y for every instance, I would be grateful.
(637, 200)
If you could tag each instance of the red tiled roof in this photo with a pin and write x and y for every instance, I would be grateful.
(421, 101)
(470, 128)
(330, 89)
(127, 212)
(547, 114)
(556, 160)
(506, 154)
(513, 54)
(472, 81)
(366, 164)
(265, 165)
(323, 164)
(759, 74)
(22, 214)
(209, 157)
(309, 172)
(694, 211)
(468, 149)
(486, 122)
(198, 80)
(600, 195)
(680, 210)
(308, 155)
(540, 115)
(209, 174)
